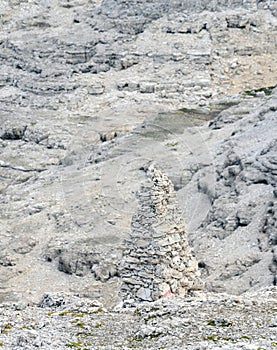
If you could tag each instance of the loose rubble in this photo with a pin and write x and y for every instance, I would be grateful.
(208, 321)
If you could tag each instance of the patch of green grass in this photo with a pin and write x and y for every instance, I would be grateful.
(74, 345)
(138, 339)
(211, 337)
(1, 343)
(50, 313)
(75, 314)
(172, 144)
(150, 336)
(150, 317)
(6, 328)
(78, 345)
(273, 343)
(26, 327)
(267, 91)
(245, 337)
(78, 323)
(221, 323)
(98, 325)
(98, 311)
(84, 334)
(64, 313)
(225, 104)
(216, 338)
(154, 335)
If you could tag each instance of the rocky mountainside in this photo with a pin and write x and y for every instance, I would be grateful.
(90, 92)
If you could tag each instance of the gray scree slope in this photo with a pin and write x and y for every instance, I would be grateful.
(90, 91)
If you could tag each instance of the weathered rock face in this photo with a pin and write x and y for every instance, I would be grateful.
(56, 55)
(154, 9)
(75, 78)
(157, 260)
(239, 186)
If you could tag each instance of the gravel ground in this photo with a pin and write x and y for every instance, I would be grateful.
(205, 321)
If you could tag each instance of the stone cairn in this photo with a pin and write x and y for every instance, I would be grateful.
(157, 260)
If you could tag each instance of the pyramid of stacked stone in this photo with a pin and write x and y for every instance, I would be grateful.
(157, 260)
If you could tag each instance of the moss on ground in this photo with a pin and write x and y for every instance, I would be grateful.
(267, 91)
